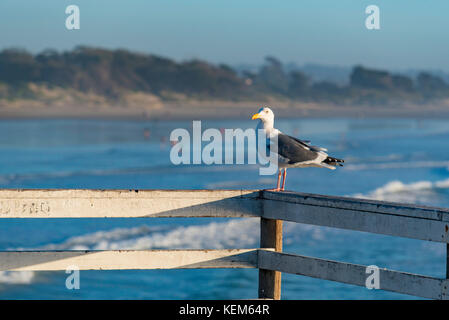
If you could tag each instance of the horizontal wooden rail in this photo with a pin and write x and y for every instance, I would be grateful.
(264, 259)
(357, 204)
(395, 281)
(127, 259)
(128, 203)
(416, 222)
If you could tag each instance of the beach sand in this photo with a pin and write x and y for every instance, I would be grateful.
(215, 110)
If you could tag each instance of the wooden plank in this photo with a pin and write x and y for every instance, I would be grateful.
(401, 282)
(127, 259)
(366, 221)
(356, 204)
(128, 203)
(269, 280)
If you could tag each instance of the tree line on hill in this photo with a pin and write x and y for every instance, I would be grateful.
(111, 73)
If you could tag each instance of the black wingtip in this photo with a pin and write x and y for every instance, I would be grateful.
(334, 161)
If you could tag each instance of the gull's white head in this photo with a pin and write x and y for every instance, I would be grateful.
(265, 115)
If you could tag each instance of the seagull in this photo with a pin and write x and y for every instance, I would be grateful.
(293, 152)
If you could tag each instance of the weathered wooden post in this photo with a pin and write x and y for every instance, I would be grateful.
(447, 260)
(270, 237)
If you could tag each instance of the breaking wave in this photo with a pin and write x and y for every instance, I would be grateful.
(16, 277)
(234, 233)
(420, 192)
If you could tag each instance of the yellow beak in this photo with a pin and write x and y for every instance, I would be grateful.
(256, 116)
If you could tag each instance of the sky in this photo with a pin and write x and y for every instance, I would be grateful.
(413, 34)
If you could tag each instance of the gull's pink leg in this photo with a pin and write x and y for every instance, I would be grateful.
(279, 181)
(278, 184)
(283, 179)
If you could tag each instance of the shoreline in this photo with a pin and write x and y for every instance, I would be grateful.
(209, 110)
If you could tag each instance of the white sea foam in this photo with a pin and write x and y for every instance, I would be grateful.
(230, 234)
(234, 233)
(423, 192)
(214, 235)
(16, 277)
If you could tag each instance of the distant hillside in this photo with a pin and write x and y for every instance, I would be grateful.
(318, 72)
(102, 76)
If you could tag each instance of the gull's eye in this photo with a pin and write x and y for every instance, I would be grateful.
(266, 111)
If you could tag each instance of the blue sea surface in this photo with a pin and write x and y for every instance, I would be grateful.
(402, 160)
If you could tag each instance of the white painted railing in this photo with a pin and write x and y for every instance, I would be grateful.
(417, 222)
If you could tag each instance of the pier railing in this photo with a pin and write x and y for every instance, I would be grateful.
(410, 221)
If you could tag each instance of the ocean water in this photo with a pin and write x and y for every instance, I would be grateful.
(401, 160)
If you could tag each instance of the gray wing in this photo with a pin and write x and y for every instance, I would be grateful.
(295, 150)
(306, 143)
